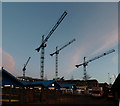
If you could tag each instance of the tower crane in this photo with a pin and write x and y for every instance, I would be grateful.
(85, 63)
(57, 52)
(24, 68)
(43, 45)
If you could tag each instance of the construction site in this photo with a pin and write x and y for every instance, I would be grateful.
(26, 90)
(19, 92)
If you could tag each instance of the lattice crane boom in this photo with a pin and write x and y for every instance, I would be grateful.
(53, 29)
(97, 57)
(104, 54)
(57, 52)
(85, 63)
(24, 68)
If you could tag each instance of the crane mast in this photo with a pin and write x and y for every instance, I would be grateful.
(84, 66)
(56, 73)
(43, 45)
(85, 63)
(24, 68)
(42, 59)
(57, 52)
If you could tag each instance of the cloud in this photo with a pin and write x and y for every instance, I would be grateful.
(108, 41)
(78, 55)
(8, 62)
(105, 42)
(115, 59)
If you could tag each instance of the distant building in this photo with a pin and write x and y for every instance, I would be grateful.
(81, 83)
(26, 78)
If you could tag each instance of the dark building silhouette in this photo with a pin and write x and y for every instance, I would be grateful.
(116, 88)
(78, 83)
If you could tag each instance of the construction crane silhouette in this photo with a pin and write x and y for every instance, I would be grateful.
(57, 52)
(43, 45)
(85, 63)
(24, 68)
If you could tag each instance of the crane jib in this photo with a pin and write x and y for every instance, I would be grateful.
(66, 44)
(106, 53)
(56, 25)
(24, 68)
(53, 29)
(57, 52)
(110, 51)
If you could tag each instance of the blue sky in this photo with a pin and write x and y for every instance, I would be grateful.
(60, 1)
(93, 25)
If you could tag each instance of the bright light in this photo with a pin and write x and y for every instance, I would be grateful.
(113, 76)
(51, 88)
(53, 84)
(6, 85)
(39, 88)
(12, 86)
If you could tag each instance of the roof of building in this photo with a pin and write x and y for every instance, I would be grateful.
(45, 83)
(9, 79)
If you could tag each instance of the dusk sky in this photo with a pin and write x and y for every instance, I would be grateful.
(93, 25)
